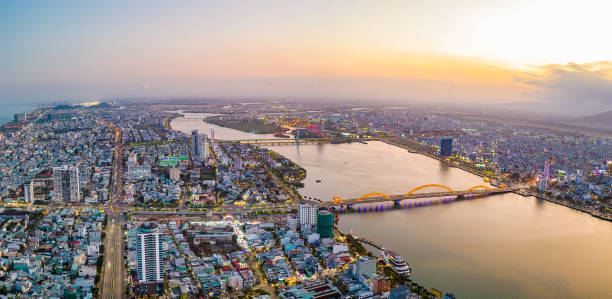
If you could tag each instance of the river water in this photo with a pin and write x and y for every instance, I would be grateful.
(194, 121)
(503, 246)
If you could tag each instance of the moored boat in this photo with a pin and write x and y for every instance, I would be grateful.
(395, 261)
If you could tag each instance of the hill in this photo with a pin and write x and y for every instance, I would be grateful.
(102, 106)
(65, 107)
(600, 118)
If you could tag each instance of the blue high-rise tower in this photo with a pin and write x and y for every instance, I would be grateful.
(195, 146)
(446, 147)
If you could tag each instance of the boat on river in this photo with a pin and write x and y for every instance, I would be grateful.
(395, 261)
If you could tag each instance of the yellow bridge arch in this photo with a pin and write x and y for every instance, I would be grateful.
(480, 187)
(338, 199)
(429, 186)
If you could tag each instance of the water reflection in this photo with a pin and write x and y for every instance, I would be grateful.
(503, 246)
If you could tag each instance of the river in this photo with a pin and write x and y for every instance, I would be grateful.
(503, 246)
(194, 121)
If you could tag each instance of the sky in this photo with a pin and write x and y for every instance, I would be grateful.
(547, 55)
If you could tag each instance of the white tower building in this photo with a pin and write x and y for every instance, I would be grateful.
(28, 192)
(308, 214)
(150, 253)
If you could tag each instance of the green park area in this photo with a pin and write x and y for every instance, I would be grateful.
(257, 126)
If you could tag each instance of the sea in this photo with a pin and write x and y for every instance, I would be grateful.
(7, 111)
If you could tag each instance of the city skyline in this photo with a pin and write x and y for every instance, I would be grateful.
(107, 201)
(276, 149)
(516, 54)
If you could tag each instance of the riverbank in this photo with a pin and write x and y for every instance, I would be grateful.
(356, 249)
(255, 126)
(496, 183)
(472, 248)
(171, 117)
(196, 121)
(596, 214)
(421, 151)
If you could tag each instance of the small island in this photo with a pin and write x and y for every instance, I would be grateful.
(256, 126)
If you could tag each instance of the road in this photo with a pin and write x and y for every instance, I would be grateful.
(261, 281)
(113, 282)
(279, 182)
(113, 279)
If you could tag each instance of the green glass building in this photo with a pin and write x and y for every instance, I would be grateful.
(325, 224)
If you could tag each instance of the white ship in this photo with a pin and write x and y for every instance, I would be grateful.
(395, 261)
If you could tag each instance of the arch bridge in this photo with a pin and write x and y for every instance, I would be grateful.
(280, 141)
(413, 194)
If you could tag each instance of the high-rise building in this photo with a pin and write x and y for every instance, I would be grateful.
(132, 160)
(237, 163)
(206, 150)
(546, 169)
(365, 265)
(199, 146)
(308, 214)
(66, 184)
(28, 192)
(212, 136)
(381, 284)
(21, 117)
(401, 292)
(174, 173)
(579, 177)
(150, 254)
(195, 145)
(446, 147)
(542, 184)
(325, 224)
(292, 223)
(139, 172)
(203, 150)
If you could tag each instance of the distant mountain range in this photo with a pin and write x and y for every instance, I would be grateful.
(98, 106)
(600, 118)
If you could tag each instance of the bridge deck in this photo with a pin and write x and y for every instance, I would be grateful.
(398, 197)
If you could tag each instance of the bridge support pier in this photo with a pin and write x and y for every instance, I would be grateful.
(396, 204)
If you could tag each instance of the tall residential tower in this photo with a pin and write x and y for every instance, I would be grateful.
(195, 145)
(308, 215)
(150, 253)
(28, 192)
(446, 147)
(66, 184)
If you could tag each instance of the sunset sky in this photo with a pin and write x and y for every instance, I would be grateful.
(551, 53)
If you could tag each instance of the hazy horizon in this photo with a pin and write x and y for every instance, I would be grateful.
(546, 56)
